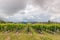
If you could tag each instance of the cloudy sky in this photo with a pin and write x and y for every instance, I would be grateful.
(30, 10)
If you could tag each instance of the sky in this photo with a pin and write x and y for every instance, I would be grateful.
(30, 10)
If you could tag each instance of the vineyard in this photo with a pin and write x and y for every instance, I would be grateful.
(30, 30)
(37, 27)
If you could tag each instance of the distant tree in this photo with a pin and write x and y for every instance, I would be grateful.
(49, 21)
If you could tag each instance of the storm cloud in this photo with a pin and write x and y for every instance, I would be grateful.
(12, 6)
(29, 10)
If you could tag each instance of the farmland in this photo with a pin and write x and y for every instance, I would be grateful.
(29, 31)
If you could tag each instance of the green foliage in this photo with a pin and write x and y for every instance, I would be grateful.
(47, 27)
(37, 27)
(11, 27)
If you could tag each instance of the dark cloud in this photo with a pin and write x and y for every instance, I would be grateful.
(12, 6)
(29, 8)
(44, 4)
(40, 2)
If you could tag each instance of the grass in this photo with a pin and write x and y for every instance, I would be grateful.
(24, 36)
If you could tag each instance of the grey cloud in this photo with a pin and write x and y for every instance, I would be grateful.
(43, 3)
(12, 6)
(52, 6)
(56, 19)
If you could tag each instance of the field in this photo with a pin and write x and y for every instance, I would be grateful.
(37, 31)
